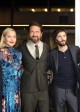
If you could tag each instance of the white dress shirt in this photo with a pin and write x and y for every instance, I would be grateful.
(31, 48)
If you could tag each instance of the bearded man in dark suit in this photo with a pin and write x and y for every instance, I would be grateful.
(34, 84)
(63, 61)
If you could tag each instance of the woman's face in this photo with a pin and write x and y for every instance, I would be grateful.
(10, 38)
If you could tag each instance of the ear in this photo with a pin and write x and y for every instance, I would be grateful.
(41, 33)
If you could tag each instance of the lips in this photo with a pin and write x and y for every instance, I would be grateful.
(11, 42)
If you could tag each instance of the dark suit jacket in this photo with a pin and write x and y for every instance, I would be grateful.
(34, 77)
(53, 62)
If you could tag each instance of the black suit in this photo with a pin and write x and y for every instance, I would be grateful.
(34, 81)
(53, 65)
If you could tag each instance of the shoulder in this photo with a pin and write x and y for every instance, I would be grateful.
(20, 48)
(74, 47)
(54, 50)
(46, 45)
(16, 51)
(17, 54)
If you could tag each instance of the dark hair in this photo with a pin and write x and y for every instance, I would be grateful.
(35, 23)
(55, 33)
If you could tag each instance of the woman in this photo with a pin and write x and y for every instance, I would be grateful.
(10, 60)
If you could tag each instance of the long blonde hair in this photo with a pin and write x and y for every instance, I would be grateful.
(2, 42)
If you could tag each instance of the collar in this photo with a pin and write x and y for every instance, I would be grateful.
(32, 44)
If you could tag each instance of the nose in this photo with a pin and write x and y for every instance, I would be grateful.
(61, 37)
(34, 33)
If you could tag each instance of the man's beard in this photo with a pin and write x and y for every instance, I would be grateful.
(34, 39)
(62, 44)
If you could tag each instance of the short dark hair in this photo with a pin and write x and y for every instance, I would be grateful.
(55, 33)
(35, 23)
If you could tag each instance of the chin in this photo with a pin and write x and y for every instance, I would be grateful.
(11, 45)
(35, 41)
(63, 44)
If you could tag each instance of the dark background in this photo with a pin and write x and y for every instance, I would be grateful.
(37, 3)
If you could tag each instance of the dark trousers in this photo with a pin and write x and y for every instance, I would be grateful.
(31, 101)
(60, 97)
(79, 98)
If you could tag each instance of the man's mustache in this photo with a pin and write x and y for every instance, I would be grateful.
(34, 36)
(63, 41)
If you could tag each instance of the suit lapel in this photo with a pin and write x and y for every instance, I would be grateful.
(26, 49)
(56, 59)
(73, 54)
(43, 52)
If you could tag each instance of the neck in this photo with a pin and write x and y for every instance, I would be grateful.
(63, 48)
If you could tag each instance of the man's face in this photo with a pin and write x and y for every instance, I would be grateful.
(35, 34)
(61, 38)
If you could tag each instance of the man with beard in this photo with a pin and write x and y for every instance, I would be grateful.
(63, 62)
(34, 84)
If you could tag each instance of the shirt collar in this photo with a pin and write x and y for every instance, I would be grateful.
(32, 44)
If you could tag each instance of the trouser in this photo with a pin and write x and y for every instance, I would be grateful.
(60, 97)
(31, 101)
(79, 98)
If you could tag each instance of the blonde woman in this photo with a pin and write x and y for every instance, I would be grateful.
(10, 59)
